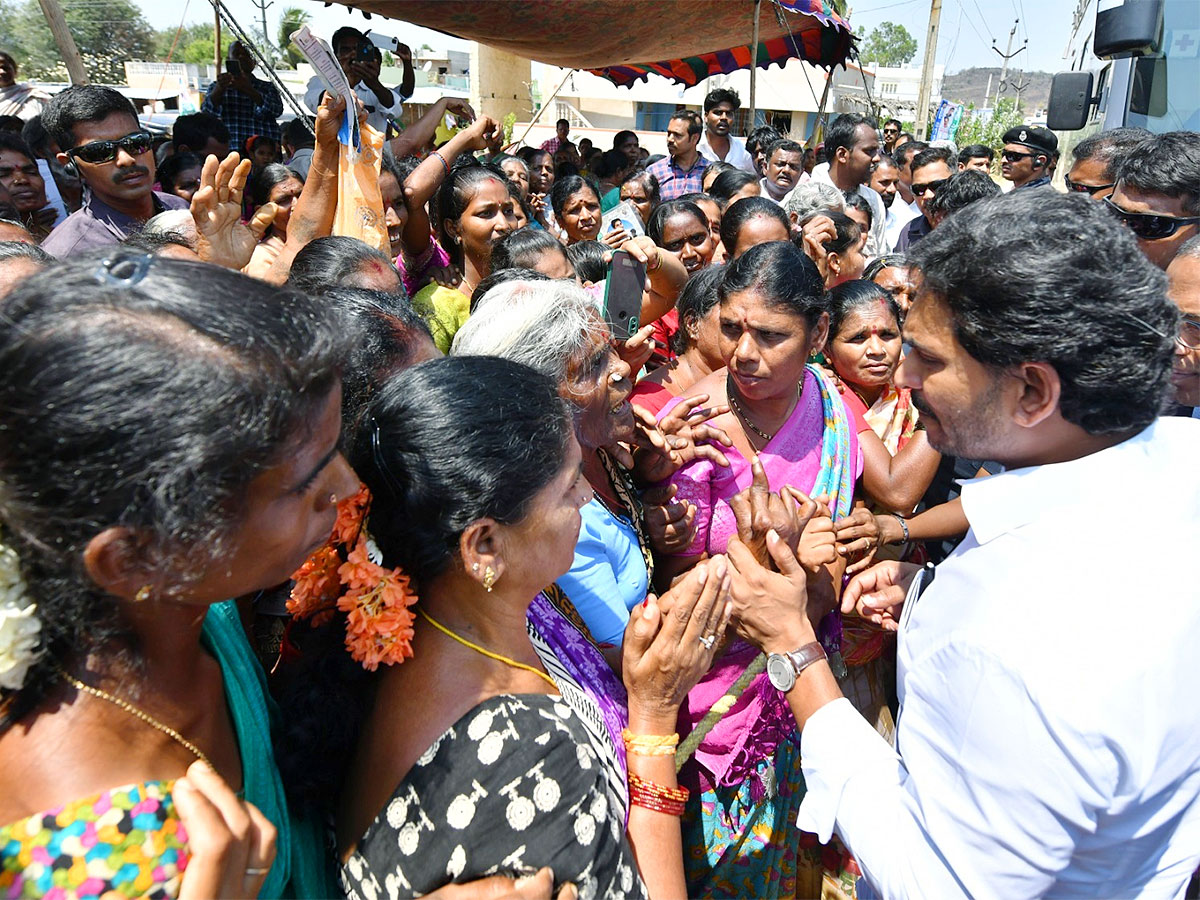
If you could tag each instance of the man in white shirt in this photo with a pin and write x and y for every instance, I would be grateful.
(852, 146)
(1047, 742)
(360, 60)
(885, 178)
(785, 170)
(717, 144)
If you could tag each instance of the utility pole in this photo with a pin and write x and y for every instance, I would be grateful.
(66, 44)
(268, 47)
(1006, 56)
(754, 66)
(1019, 85)
(935, 14)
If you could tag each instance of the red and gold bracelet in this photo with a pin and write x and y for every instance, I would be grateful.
(651, 795)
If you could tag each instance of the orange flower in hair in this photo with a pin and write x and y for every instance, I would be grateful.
(342, 575)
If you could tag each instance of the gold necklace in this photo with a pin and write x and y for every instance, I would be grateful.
(488, 653)
(732, 395)
(139, 714)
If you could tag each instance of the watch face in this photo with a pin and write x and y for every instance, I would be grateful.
(780, 672)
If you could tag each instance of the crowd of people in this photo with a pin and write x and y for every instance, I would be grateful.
(329, 569)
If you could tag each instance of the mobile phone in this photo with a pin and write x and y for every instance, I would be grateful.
(365, 51)
(233, 67)
(623, 295)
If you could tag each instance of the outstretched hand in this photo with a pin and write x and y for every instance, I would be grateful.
(770, 608)
(877, 594)
(221, 237)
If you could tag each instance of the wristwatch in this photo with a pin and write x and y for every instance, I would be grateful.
(784, 668)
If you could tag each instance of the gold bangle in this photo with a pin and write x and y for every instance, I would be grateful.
(650, 744)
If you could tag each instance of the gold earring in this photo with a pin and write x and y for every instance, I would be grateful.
(142, 595)
(489, 579)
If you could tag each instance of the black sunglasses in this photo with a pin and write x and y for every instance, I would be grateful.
(1147, 226)
(919, 187)
(135, 144)
(1014, 156)
(1076, 188)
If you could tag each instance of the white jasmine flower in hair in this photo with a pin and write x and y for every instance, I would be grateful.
(19, 626)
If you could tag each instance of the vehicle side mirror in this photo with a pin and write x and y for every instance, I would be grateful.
(1070, 101)
(1131, 27)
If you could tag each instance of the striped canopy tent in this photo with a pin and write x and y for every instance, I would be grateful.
(621, 39)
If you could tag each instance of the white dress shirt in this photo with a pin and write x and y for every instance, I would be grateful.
(876, 240)
(377, 113)
(899, 214)
(1049, 735)
(738, 155)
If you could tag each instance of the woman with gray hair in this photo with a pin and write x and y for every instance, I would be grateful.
(557, 329)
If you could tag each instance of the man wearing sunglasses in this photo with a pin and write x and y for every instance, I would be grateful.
(891, 131)
(114, 157)
(1157, 194)
(1096, 160)
(1027, 154)
(931, 169)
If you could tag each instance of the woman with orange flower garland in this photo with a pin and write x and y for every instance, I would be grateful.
(504, 742)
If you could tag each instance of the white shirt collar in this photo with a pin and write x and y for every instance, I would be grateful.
(1002, 503)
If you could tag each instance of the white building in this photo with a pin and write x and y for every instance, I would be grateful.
(898, 87)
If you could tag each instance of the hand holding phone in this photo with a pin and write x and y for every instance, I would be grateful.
(623, 295)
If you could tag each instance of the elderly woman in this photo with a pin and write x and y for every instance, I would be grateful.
(576, 205)
(642, 190)
(556, 327)
(500, 743)
(192, 457)
(790, 427)
(892, 273)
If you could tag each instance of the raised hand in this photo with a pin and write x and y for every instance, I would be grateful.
(216, 207)
(878, 593)
(666, 652)
(857, 535)
(757, 511)
(770, 608)
(232, 844)
(685, 435)
(670, 523)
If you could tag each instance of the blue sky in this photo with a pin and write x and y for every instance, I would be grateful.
(967, 27)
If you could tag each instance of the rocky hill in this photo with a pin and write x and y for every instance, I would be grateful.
(969, 86)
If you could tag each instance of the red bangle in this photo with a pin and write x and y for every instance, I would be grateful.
(651, 795)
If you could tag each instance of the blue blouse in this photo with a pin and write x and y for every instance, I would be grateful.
(608, 578)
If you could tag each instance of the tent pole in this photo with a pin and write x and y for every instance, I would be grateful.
(754, 68)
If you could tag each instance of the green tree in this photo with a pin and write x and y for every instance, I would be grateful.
(189, 34)
(201, 50)
(290, 21)
(978, 127)
(108, 33)
(889, 44)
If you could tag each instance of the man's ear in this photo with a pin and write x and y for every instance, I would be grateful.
(1040, 393)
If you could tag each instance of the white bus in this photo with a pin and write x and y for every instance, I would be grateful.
(1132, 63)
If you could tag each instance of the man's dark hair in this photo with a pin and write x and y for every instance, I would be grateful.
(1109, 148)
(895, 122)
(761, 138)
(975, 151)
(842, 131)
(932, 155)
(787, 145)
(82, 103)
(11, 124)
(694, 122)
(885, 159)
(587, 257)
(1167, 164)
(722, 95)
(962, 189)
(345, 32)
(566, 122)
(907, 151)
(297, 133)
(193, 131)
(1047, 293)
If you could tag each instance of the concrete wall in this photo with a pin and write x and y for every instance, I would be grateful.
(499, 83)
